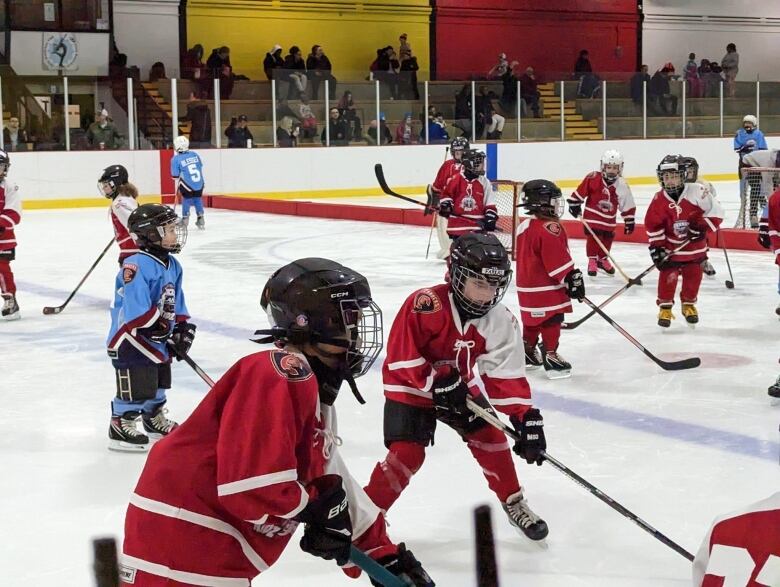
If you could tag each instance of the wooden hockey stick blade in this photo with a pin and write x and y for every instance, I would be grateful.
(374, 570)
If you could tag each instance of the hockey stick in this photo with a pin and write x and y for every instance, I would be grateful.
(431, 204)
(487, 571)
(729, 282)
(106, 564)
(57, 309)
(690, 363)
(638, 278)
(496, 422)
(360, 559)
(606, 252)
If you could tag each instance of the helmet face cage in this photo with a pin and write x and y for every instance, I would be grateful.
(691, 170)
(459, 276)
(666, 168)
(611, 157)
(458, 145)
(474, 162)
(103, 184)
(363, 324)
(154, 232)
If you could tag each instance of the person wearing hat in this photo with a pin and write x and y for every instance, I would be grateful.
(273, 60)
(102, 134)
(238, 134)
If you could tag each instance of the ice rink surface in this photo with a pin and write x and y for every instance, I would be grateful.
(678, 448)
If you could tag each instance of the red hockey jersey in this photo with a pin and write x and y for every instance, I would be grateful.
(667, 221)
(449, 168)
(10, 213)
(470, 198)
(742, 548)
(121, 208)
(543, 261)
(771, 217)
(216, 498)
(602, 201)
(428, 334)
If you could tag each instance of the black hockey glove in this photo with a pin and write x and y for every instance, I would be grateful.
(404, 564)
(696, 234)
(182, 337)
(449, 396)
(575, 284)
(445, 208)
(629, 226)
(328, 527)
(489, 221)
(658, 255)
(532, 441)
(575, 208)
(763, 236)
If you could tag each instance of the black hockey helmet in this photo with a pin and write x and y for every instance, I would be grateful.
(316, 301)
(672, 167)
(113, 176)
(541, 196)
(473, 162)
(5, 164)
(691, 169)
(148, 224)
(482, 258)
(458, 145)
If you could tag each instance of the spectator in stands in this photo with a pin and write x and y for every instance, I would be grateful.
(273, 60)
(710, 85)
(660, 93)
(462, 111)
(348, 112)
(218, 65)
(308, 120)
(199, 117)
(287, 133)
(691, 74)
(102, 134)
(339, 129)
(588, 86)
(408, 89)
(117, 69)
(495, 124)
(500, 68)
(730, 65)
(716, 77)
(14, 137)
(529, 91)
(295, 70)
(192, 66)
(509, 93)
(318, 69)
(404, 49)
(404, 133)
(238, 133)
(437, 131)
(157, 71)
(637, 85)
(384, 133)
(387, 67)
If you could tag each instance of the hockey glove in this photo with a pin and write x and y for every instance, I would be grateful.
(445, 208)
(763, 236)
(328, 526)
(658, 255)
(160, 331)
(449, 395)
(404, 564)
(532, 442)
(575, 208)
(628, 226)
(489, 221)
(575, 284)
(696, 234)
(182, 337)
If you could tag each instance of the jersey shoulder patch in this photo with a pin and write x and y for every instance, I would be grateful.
(129, 271)
(290, 367)
(426, 302)
(553, 228)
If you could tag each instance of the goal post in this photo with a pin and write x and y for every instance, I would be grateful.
(756, 184)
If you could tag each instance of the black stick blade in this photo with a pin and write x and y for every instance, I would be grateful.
(487, 571)
(106, 566)
(691, 363)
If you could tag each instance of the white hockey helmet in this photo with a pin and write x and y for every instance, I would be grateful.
(181, 144)
(751, 119)
(611, 157)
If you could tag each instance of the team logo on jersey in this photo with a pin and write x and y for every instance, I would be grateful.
(606, 206)
(468, 203)
(553, 228)
(128, 272)
(290, 366)
(167, 303)
(271, 530)
(680, 228)
(426, 302)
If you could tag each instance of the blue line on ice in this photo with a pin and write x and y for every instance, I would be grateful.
(672, 429)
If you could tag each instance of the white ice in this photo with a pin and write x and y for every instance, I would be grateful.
(677, 448)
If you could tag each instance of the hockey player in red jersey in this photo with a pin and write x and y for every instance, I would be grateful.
(451, 166)
(603, 194)
(547, 279)
(692, 176)
(742, 548)
(10, 216)
(469, 194)
(115, 185)
(220, 497)
(680, 212)
(444, 340)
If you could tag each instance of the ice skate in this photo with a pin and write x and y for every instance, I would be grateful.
(124, 436)
(157, 424)
(200, 223)
(555, 366)
(777, 310)
(593, 267)
(708, 269)
(184, 221)
(523, 519)
(606, 265)
(533, 358)
(691, 313)
(10, 308)
(665, 317)
(774, 390)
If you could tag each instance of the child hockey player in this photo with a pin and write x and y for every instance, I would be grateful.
(187, 168)
(449, 168)
(10, 216)
(469, 194)
(547, 280)
(115, 185)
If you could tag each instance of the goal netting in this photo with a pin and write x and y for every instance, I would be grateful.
(507, 194)
(755, 186)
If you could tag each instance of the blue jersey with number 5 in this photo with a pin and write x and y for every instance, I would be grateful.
(188, 168)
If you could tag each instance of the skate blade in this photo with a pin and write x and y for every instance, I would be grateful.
(17, 316)
(692, 325)
(535, 544)
(121, 446)
(558, 374)
(532, 367)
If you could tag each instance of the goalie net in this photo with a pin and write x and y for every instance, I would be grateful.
(507, 194)
(755, 186)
